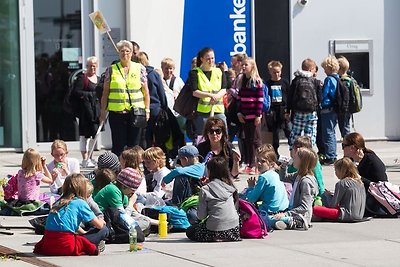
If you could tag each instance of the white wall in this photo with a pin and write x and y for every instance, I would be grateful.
(391, 68)
(319, 21)
(157, 26)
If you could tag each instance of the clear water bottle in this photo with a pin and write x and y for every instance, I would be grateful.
(133, 246)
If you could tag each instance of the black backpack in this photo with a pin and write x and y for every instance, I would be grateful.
(305, 95)
(186, 103)
(71, 103)
(341, 103)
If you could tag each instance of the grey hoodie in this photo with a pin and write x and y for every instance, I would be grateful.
(216, 202)
(304, 193)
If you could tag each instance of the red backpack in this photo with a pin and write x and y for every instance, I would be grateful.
(252, 225)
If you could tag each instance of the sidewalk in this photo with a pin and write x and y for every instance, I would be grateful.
(325, 244)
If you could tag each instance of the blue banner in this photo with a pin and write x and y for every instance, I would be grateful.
(224, 25)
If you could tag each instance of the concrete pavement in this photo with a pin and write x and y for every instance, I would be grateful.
(372, 243)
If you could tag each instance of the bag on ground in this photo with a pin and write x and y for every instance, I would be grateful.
(252, 225)
(387, 194)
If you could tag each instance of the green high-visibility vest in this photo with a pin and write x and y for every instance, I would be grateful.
(210, 86)
(118, 99)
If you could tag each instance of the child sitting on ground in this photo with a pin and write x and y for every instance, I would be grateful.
(348, 202)
(305, 141)
(133, 158)
(60, 238)
(216, 206)
(269, 187)
(305, 188)
(33, 171)
(154, 160)
(61, 166)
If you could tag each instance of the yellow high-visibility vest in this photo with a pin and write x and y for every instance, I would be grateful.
(118, 99)
(210, 86)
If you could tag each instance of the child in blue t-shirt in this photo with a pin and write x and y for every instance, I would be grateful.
(268, 187)
(63, 234)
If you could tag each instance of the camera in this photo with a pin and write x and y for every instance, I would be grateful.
(302, 2)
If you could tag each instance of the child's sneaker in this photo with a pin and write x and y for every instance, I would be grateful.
(280, 225)
(101, 246)
(299, 222)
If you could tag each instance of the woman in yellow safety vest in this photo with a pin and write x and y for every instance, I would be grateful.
(209, 85)
(125, 87)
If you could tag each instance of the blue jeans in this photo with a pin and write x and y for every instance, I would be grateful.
(344, 123)
(270, 221)
(201, 119)
(95, 235)
(328, 125)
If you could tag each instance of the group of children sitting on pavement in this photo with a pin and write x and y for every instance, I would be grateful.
(288, 194)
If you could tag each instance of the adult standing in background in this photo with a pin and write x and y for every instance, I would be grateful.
(209, 85)
(158, 100)
(85, 91)
(125, 87)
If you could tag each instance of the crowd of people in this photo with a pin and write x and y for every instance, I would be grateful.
(138, 177)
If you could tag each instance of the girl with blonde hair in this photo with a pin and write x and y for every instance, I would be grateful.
(250, 104)
(305, 188)
(33, 171)
(348, 202)
(62, 225)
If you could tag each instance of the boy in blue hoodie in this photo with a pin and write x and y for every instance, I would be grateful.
(186, 178)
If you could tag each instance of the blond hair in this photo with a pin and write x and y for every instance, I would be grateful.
(254, 75)
(345, 168)
(308, 160)
(156, 154)
(168, 62)
(31, 162)
(59, 144)
(344, 65)
(274, 63)
(75, 186)
(331, 63)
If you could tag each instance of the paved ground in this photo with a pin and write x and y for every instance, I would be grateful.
(373, 243)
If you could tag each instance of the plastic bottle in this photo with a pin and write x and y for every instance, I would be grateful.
(162, 225)
(133, 238)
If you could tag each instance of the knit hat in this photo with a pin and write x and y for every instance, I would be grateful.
(130, 177)
(189, 151)
(109, 160)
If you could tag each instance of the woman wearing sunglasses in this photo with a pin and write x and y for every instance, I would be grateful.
(370, 167)
(216, 142)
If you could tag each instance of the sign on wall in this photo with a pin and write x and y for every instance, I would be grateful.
(224, 26)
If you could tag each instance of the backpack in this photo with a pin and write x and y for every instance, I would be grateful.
(119, 233)
(162, 128)
(186, 104)
(305, 95)
(10, 187)
(387, 194)
(355, 97)
(266, 99)
(71, 103)
(341, 103)
(252, 225)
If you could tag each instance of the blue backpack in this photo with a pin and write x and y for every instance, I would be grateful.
(267, 99)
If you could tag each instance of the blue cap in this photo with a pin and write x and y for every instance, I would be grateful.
(189, 151)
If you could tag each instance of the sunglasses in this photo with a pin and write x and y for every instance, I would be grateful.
(216, 131)
(345, 145)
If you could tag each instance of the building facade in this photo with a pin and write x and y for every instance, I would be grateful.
(44, 41)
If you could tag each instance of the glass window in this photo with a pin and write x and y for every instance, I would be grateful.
(10, 89)
(58, 53)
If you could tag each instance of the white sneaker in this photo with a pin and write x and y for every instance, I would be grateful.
(90, 164)
(280, 225)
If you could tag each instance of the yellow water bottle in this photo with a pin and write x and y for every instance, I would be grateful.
(162, 225)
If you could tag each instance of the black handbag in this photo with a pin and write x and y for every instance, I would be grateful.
(137, 116)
